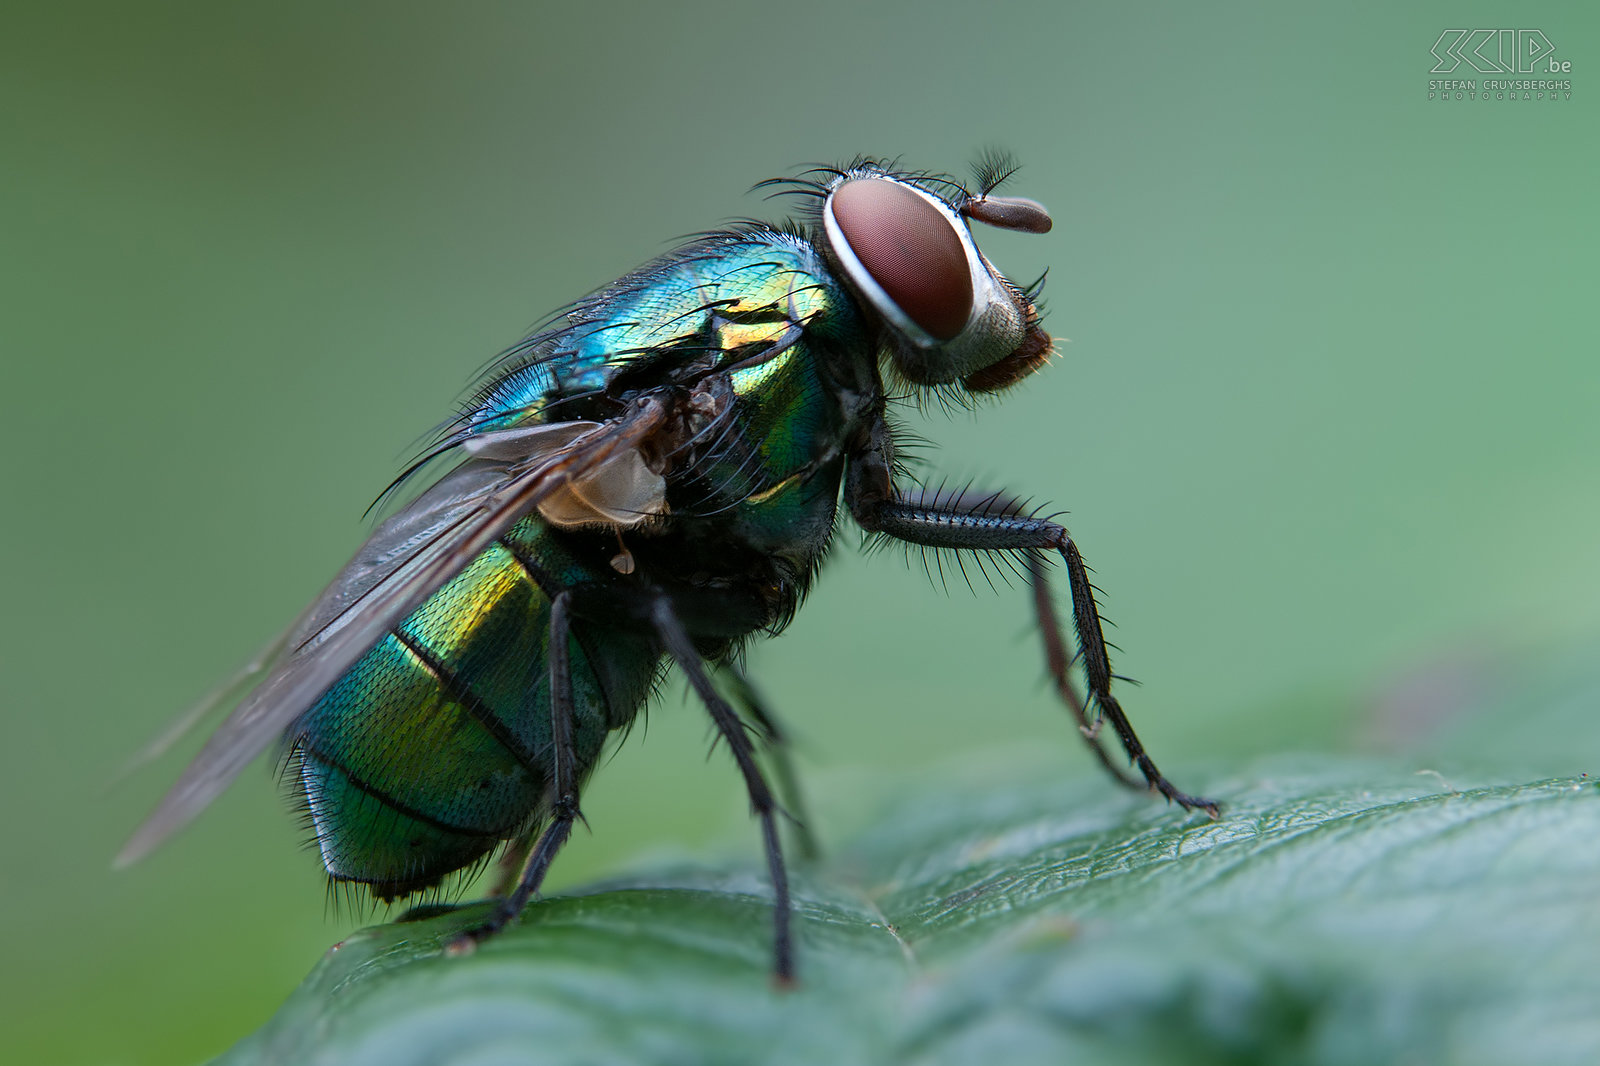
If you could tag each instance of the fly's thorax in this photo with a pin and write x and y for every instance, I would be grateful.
(910, 257)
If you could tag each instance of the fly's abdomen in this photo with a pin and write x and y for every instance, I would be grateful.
(436, 745)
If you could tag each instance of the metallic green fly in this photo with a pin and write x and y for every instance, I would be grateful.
(651, 481)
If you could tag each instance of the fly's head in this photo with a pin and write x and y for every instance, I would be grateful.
(907, 252)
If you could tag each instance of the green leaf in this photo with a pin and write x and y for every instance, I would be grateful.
(1339, 912)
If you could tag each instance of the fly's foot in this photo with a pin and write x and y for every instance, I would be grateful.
(1184, 800)
(1157, 782)
(459, 946)
(467, 941)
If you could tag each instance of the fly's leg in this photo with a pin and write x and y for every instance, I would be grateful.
(675, 640)
(777, 744)
(565, 810)
(508, 868)
(961, 524)
(1058, 662)
(996, 524)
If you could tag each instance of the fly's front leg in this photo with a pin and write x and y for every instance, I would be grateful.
(675, 639)
(564, 812)
(970, 522)
(1059, 663)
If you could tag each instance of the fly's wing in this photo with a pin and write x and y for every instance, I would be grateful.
(228, 692)
(410, 556)
(389, 544)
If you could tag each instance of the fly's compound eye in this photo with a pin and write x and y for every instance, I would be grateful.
(909, 250)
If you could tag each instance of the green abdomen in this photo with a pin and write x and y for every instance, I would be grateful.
(436, 745)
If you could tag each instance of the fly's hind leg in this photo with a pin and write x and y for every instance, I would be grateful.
(749, 701)
(564, 811)
(676, 642)
(509, 866)
(995, 523)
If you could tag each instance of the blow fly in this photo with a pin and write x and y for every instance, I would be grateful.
(651, 480)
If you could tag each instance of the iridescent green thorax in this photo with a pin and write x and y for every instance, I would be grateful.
(759, 313)
(710, 300)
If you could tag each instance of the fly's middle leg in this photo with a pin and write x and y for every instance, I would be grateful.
(778, 748)
(678, 645)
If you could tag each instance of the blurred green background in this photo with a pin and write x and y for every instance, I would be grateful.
(1326, 424)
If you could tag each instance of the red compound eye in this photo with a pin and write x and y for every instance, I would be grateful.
(911, 249)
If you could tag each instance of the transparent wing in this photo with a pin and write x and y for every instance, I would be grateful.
(193, 716)
(410, 556)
